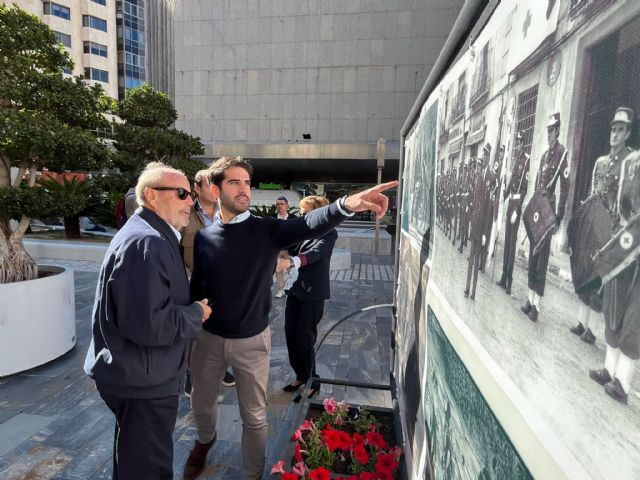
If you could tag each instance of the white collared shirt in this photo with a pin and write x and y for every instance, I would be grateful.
(237, 219)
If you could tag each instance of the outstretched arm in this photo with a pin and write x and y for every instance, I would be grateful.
(371, 199)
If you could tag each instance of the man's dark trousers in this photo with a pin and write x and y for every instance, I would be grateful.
(301, 330)
(510, 240)
(143, 442)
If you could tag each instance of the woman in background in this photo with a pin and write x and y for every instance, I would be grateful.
(305, 299)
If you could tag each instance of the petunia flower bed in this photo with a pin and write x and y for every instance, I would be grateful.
(339, 441)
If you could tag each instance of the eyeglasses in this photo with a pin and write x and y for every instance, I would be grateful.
(183, 193)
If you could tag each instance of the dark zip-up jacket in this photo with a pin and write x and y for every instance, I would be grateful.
(142, 313)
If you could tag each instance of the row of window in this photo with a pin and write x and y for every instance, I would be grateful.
(61, 11)
(95, 49)
(63, 38)
(89, 47)
(96, 74)
(94, 22)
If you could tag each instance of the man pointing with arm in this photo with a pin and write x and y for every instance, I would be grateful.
(234, 262)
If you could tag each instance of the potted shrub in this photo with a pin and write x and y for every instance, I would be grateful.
(46, 120)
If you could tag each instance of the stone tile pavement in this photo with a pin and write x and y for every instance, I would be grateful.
(53, 425)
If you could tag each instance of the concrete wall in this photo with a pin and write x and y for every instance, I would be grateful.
(268, 71)
(159, 46)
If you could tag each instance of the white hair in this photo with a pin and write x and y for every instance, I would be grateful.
(151, 176)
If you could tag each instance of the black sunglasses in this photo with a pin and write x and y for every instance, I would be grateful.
(183, 193)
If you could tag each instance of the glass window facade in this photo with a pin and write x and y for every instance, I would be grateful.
(95, 49)
(101, 2)
(96, 74)
(63, 38)
(61, 11)
(131, 44)
(94, 22)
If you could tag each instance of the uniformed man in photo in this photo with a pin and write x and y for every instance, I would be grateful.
(492, 206)
(464, 207)
(596, 220)
(621, 302)
(515, 192)
(554, 168)
(479, 217)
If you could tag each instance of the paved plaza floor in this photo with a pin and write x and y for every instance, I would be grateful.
(53, 424)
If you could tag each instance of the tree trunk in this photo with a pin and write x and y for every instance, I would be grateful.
(72, 227)
(16, 264)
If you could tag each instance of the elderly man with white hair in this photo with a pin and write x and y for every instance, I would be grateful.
(143, 324)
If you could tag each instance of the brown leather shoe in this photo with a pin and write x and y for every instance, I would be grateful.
(197, 459)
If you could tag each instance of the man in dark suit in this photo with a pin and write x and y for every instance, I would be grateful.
(282, 212)
(554, 166)
(516, 191)
(479, 217)
(305, 299)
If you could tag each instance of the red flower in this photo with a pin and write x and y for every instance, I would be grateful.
(368, 476)
(320, 473)
(386, 464)
(360, 454)
(332, 439)
(375, 439)
(297, 436)
(358, 439)
(344, 441)
(289, 476)
(298, 454)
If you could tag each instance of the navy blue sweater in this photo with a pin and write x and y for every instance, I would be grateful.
(234, 263)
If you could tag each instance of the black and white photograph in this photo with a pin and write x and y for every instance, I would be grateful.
(537, 215)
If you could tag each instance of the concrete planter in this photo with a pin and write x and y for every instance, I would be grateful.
(37, 320)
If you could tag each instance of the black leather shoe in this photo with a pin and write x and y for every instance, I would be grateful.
(533, 314)
(614, 390)
(588, 337)
(601, 376)
(578, 329)
(526, 308)
(502, 282)
(466, 293)
(292, 387)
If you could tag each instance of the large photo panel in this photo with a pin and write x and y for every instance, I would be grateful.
(537, 227)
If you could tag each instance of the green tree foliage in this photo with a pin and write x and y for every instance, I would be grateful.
(72, 198)
(45, 121)
(147, 134)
